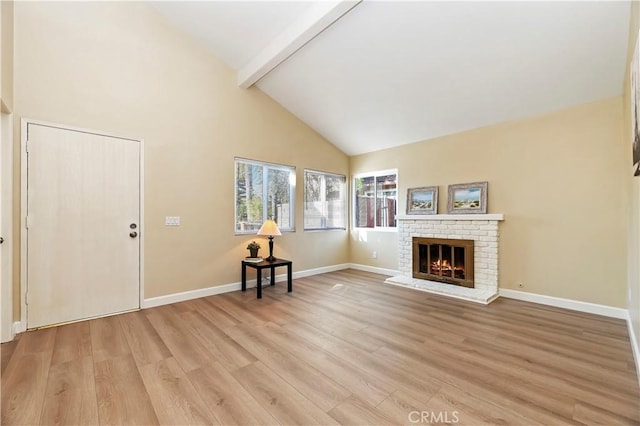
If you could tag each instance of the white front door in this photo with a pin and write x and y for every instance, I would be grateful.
(83, 225)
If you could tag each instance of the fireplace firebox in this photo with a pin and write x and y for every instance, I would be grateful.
(444, 260)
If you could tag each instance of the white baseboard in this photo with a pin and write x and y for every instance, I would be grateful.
(374, 269)
(193, 294)
(15, 328)
(18, 327)
(315, 271)
(575, 305)
(226, 288)
(634, 344)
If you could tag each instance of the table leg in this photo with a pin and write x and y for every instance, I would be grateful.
(289, 279)
(244, 277)
(273, 275)
(259, 279)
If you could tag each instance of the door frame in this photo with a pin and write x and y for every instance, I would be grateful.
(6, 283)
(24, 122)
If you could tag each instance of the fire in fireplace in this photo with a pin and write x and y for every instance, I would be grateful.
(445, 260)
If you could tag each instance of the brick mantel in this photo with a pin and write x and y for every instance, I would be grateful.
(495, 216)
(482, 228)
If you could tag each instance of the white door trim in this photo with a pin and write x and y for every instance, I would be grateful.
(6, 290)
(24, 122)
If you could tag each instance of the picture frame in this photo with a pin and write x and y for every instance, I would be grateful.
(467, 198)
(423, 200)
(634, 74)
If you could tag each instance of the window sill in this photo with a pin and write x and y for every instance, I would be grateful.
(377, 229)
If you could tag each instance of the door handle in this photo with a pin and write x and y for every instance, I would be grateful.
(133, 234)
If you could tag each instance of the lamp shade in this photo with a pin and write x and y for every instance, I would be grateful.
(269, 227)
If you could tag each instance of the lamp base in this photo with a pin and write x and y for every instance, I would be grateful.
(271, 258)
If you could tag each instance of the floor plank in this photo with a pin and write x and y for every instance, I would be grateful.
(73, 342)
(228, 400)
(590, 415)
(121, 394)
(364, 386)
(25, 379)
(472, 409)
(70, 398)
(174, 398)
(279, 398)
(184, 347)
(312, 383)
(107, 339)
(146, 345)
(353, 411)
(393, 374)
(223, 348)
(6, 351)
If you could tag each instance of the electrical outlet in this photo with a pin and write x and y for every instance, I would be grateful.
(374, 255)
(172, 221)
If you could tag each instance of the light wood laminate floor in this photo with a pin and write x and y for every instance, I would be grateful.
(343, 348)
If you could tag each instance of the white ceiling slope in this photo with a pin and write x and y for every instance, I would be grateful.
(391, 73)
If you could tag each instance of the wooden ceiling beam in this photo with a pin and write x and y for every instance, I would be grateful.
(319, 17)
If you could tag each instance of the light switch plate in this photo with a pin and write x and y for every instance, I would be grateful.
(172, 220)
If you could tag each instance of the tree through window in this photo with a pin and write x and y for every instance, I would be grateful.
(263, 190)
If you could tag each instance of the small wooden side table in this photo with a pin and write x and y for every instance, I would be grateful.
(259, 266)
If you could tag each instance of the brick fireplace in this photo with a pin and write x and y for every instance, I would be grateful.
(481, 230)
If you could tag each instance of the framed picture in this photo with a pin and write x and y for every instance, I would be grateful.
(467, 198)
(422, 200)
(634, 72)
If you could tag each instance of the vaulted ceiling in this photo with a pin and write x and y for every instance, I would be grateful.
(376, 74)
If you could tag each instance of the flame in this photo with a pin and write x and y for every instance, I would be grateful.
(445, 265)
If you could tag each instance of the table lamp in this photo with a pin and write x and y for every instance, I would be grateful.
(269, 228)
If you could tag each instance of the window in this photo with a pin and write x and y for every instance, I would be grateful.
(263, 190)
(375, 199)
(325, 200)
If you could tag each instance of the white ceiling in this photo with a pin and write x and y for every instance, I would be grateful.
(392, 73)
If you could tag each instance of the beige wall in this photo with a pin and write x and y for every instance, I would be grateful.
(558, 179)
(6, 55)
(633, 192)
(120, 67)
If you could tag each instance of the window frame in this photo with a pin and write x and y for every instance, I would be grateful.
(374, 175)
(345, 191)
(292, 193)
